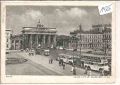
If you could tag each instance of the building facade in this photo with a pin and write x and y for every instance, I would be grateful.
(8, 39)
(16, 42)
(107, 39)
(63, 41)
(38, 36)
(90, 41)
(93, 39)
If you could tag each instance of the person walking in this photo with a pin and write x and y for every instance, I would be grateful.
(74, 70)
(86, 70)
(89, 72)
(59, 62)
(63, 65)
(51, 60)
(30, 52)
(62, 62)
(102, 72)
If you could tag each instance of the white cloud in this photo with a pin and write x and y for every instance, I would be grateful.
(63, 19)
(73, 12)
(76, 12)
(34, 14)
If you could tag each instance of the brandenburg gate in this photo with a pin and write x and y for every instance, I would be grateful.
(38, 36)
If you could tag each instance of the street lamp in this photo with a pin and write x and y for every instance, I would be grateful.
(75, 39)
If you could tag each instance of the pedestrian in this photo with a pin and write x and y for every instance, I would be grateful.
(63, 65)
(86, 69)
(30, 52)
(62, 62)
(74, 70)
(89, 72)
(59, 62)
(51, 60)
(102, 73)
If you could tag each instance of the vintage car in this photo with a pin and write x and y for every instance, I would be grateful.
(46, 52)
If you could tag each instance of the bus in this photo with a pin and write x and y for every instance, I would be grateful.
(46, 52)
(95, 62)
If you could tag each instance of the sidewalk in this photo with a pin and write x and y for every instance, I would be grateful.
(44, 61)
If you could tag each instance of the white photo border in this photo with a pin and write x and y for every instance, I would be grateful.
(53, 79)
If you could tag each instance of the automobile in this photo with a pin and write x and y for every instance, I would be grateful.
(38, 50)
(61, 48)
(59, 56)
(62, 57)
(70, 60)
(21, 50)
(46, 52)
(32, 52)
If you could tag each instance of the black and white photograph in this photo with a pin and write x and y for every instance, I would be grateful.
(58, 40)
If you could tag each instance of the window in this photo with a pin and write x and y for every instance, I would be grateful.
(7, 46)
(7, 39)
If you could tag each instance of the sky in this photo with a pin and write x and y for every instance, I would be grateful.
(64, 18)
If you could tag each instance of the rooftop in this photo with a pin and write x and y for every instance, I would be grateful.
(39, 28)
(106, 28)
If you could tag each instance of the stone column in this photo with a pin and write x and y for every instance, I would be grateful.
(19, 45)
(49, 41)
(37, 39)
(54, 41)
(14, 45)
(44, 39)
(24, 41)
(31, 41)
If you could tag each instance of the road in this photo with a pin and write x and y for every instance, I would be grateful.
(39, 65)
(26, 68)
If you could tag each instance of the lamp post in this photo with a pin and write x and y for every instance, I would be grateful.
(80, 44)
(75, 39)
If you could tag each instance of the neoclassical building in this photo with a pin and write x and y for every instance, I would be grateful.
(38, 36)
(33, 37)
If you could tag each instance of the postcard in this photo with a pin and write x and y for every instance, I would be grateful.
(58, 42)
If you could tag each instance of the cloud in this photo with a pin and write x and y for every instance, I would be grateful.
(73, 12)
(31, 15)
(28, 18)
(34, 14)
(59, 12)
(64, 19)
(76, 12)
